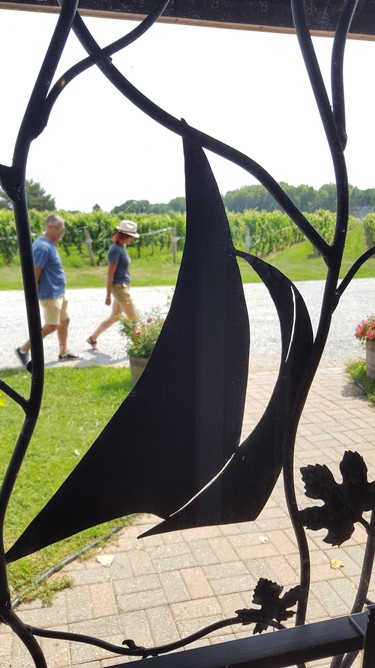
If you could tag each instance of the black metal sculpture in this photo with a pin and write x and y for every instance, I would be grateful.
(219, 479)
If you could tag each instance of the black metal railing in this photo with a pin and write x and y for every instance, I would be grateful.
(217, 472)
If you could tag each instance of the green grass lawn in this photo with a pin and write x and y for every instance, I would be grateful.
(76, 407)
(297, 262)
(146, 271)
(357, 371)
(300, 264)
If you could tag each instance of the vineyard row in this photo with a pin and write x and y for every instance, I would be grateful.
(259, 232)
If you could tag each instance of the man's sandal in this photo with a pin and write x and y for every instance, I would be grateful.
(93, 343)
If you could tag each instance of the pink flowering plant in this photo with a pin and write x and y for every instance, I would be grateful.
(365, 330)
(141, 333)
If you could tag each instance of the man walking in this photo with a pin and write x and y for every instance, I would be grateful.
(50, 278)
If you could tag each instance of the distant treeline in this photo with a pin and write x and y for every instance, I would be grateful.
(247, 198)
(256, 197)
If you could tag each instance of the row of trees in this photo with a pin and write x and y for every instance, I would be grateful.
(305, 197)
(255, 197)
(37, 198)
(177, 204)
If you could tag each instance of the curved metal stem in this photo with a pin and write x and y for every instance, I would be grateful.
(144, 652)
(367, 565)
(337, 66)
(345, 661)
(352, 272)
(330, 128)
(182, 129)
(4, 387)
(101, 55)
(35, 118)
(35, 108)
(13, 179)
(290, 495)
(23, 632)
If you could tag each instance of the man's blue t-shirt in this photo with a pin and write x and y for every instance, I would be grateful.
(52, 277)
(118, 255)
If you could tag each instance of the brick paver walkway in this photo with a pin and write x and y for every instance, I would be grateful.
(155, 590)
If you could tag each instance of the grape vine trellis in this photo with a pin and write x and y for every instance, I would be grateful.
(213, 489)
(267, 231)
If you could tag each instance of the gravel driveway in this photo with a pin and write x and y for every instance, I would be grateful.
(87, 309)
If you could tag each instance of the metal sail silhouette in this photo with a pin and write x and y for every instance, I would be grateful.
(243, 487)
(183, 419)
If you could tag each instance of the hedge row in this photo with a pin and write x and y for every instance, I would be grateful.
(257, 231)
(369, 225)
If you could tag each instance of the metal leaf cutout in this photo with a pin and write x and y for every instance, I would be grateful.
(272, 607)
(183, 419)
(344, 503)
(244, 485)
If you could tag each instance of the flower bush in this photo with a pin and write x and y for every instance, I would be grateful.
(141, 333)
(365, 330)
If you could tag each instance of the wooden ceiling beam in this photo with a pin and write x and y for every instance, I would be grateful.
(266, 15)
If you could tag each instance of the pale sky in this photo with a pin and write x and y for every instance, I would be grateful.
(248, 89)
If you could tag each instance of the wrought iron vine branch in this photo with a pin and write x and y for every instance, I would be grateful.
(332, 133)
(252, 616)
(300, 534)
(352, 272)
(339, 43)
(328, 120)
(367, 566)
(182, 129)
(19, 628)
(12, 394)
(13, 179)
(35, 107)
(101, 55)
